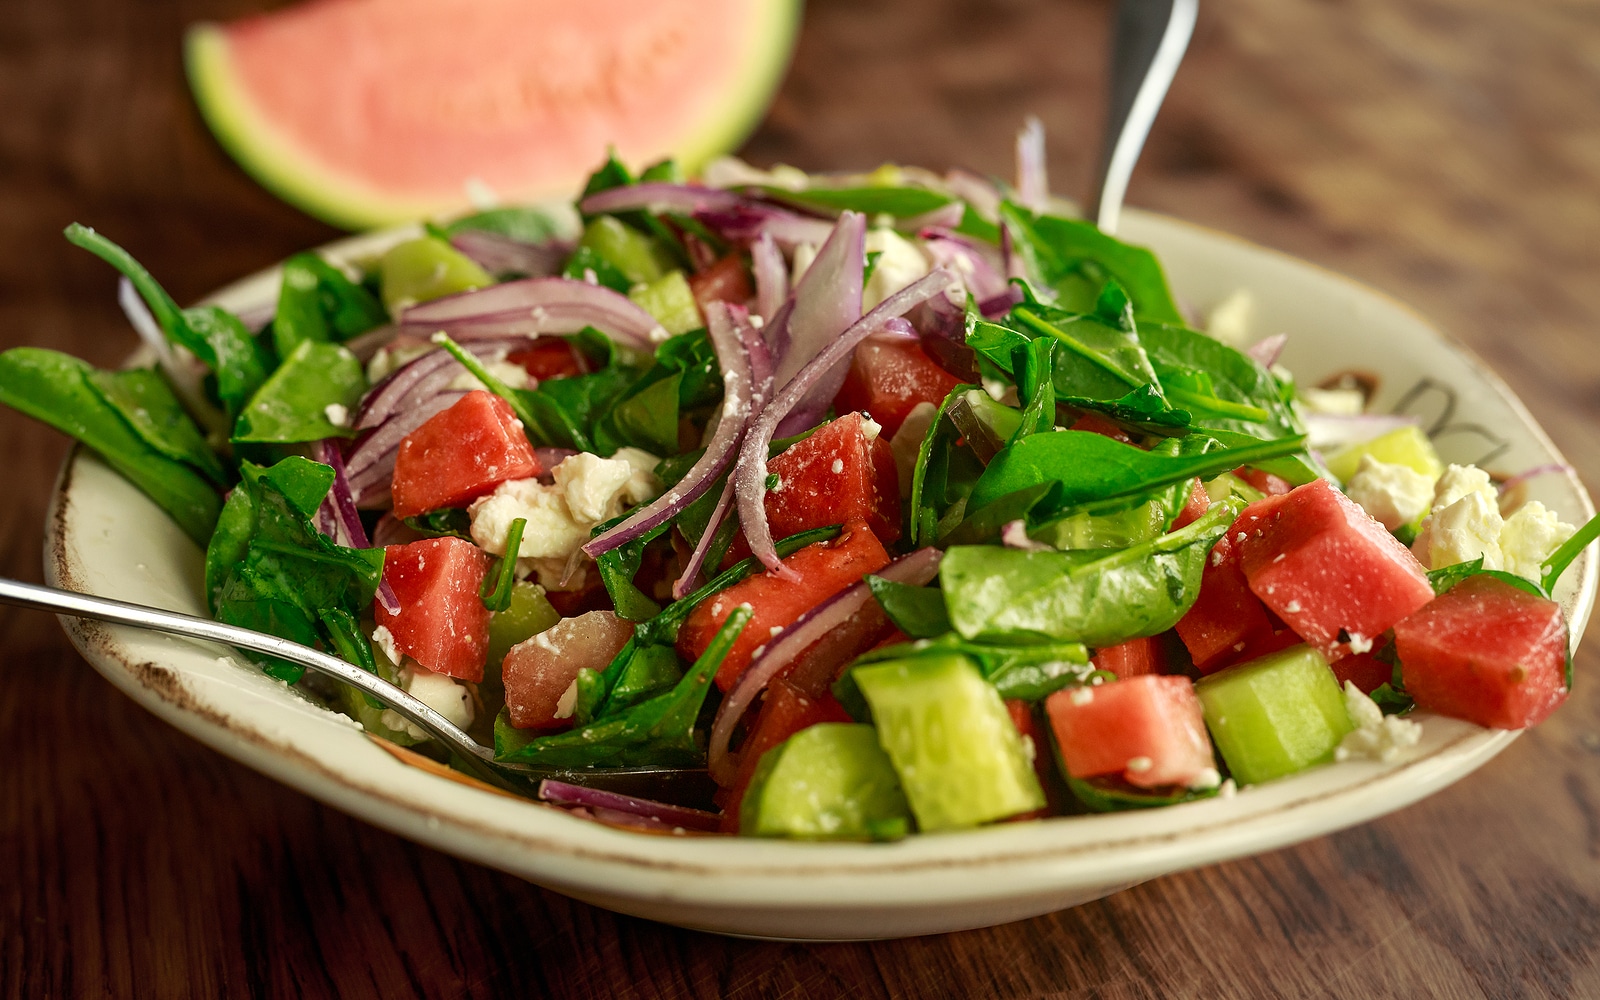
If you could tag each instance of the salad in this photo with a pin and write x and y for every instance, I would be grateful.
(895, 502)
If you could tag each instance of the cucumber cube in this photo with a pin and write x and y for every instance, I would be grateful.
(670, 300)
(959, 757)
(423, 269)
(830, 781)
(1276, 715)
(640, 258)
(1407, 446)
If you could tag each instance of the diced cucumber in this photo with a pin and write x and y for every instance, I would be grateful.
(1407, 446)
(669, 299)
(423, 269)
(640, 258)
(1229, 485)
(959, 757)
(528, 614)
(1276, 715)
(830, 781)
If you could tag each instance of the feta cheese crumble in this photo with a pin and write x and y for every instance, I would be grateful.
(511, 373)
(1394, 494)
(337, 414)
(1376, 736)
(1466, 523)
(439, 692)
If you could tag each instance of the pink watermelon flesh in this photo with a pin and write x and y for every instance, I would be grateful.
(1486, 652)
(538, 671)
(403, 105)
(461, 454)
(1150, 719)
(1226, 619)
(442, 623)
(1322, 564)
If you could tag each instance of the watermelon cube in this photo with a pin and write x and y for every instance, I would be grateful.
(1133, 658)
(1227, 619)
(1149, 730)
(842, 472)
(538, 671)
(1327, 568)
(1275, 715)
(461, 454)
(442, 623)
(1487, 652)
(889, 378)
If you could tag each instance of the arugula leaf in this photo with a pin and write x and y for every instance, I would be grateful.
(497, 584)
(213, 335)
(1075, 259)
(1092, 468)
(317, 302)
(917, 611)
(292, 404)
(1094, 597)
(56, 389)
(142, 397)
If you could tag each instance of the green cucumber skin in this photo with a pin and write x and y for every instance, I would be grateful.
(1276, 715)
(830, 781)
(959, 758)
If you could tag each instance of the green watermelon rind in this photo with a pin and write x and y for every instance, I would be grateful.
(279, 164)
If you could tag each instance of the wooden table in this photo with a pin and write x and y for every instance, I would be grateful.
(1447, 151)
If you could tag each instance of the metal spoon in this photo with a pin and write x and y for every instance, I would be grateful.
(683, 787)
(1149, 41)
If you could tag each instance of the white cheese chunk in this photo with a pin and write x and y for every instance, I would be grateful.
(439, 692)
(1393, 494)
(1529, 536)
(1466, 529)
(1460, 480)
(899, 264)
(1376, 736)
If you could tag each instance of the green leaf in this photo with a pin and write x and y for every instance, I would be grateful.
(497, 584)
(618, 567)
(943, 471)
(900, 202)
(1027, 673)
(1075, 259)
(55, 388)
(1035, 365)
(142, 397)
(1393, 700)
(917, 611)
(586, 261)
(451, 521)
(1110, 794)
(525, 223)
(317, 302)
(648, 418)
(1562, 557)
(292, 404)
(1095, 597)
(1445, 578)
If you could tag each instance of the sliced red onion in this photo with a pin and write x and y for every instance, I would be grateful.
(688, 579)
(1267, 349)
(722, 325)
(563, 794)
(365, 345)
(701, 256)
(500, 254)
(980, 276)
(424, 377)
(548, 306)
(1033, 185)
(390, 530)
(999, 305)
(750, 472)
(338, 513)
(746, 223)
(954, 357)
(772, 278)
(184, 371)
(897, 329)
(979, 192)
(826, 301)
(658, 198)
(1015, 536)
(1552, 468)
(782, 650)
(1326, 431)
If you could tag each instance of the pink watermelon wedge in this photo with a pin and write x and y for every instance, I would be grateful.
(368, 112)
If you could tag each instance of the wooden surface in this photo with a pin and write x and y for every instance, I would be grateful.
(1446, 152)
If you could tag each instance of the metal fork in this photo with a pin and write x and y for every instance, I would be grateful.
(684, 787)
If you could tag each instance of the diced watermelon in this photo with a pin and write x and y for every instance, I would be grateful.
(1149, 730)
(1133, 658)
(838, 474)
(724, 281)
(1266, 482)
(785, 710)
(442, 623)
(1327, 568)
(1364, 670)
(1486, 652)
(825, 568)
(1227, 618)
(889, 378)
(1199, 503)
(460, 454)
(548, 358)
(539, 671)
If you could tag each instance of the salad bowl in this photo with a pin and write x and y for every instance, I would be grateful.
(104, 537)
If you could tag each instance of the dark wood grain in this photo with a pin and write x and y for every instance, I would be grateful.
(1446, 152)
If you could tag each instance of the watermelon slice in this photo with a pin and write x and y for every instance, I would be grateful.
(369, 112)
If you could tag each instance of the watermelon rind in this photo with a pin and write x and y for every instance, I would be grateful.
(294, 173)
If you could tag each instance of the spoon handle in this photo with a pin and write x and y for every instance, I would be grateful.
(1149, 41)
(67, 602)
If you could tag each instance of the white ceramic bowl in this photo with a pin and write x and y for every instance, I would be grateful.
(106, 538)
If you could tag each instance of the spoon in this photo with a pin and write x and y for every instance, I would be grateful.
(1149, 41)
(683, 787)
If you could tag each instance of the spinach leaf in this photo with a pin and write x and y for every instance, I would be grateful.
(659, 731)
(685, 376)
(1111, 794)
(1563, 556)
(290, 575)
(1091, 468)
(293, 404)
(1028, 673)
(229, 542)
(1445, 578)
(524, 223)
(585, 261)
(1034, 365)
(1007, 596)
(452, 521)
(650, 671)
(1075, 259)
(871, 201)
(944, 472)
(617, 569)
(55, 388)
(213, 335)
(142, 397)
(917, 611)
(1393, 700)
(497, 584)
(317, 302)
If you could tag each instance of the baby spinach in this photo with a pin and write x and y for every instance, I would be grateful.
(1034, 365)
(618, 567)
(317, 302)
(142, 397)
(1445, 578)
(944, 472)
(57, 389)
(1075, 259)
(917, 611)
(1112, 794)
(1095, 597)
(452, 521)
(497, 584)
(212, 334)
(293, 404)
(871, 201)
(585, 262)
